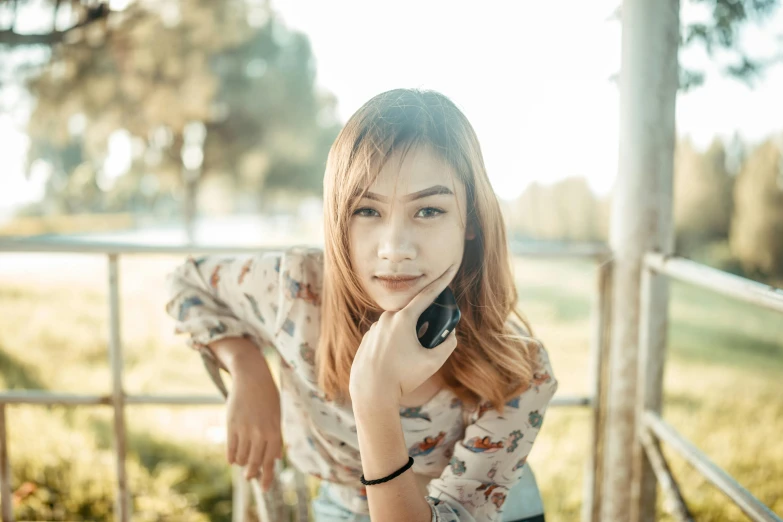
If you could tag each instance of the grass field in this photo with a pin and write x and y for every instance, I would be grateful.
(723, 391)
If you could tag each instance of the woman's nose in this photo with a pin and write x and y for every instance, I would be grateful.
(396, 243)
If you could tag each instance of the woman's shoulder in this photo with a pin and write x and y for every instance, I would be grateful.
(301, 273)
(289, 273)
(304, 254)
(298, 261)
(305, 263)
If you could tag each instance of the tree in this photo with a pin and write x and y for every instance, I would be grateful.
(702, 194)
(196, 89)
(565, 210)
(719, 35)
(84, 14)
(756, 237)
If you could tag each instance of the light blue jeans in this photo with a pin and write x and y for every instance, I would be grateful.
(522, 504)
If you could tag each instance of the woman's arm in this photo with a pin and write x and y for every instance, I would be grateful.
(228, 306)
(216, 298)
(383, 451)
(253, 430)
(389, 363)
(235, 353)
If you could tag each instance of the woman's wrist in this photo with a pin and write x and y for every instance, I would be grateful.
(378, 403)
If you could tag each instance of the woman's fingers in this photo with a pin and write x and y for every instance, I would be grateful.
(259, 446)
(272, 450)
(243, 449)
(258, 453)
(231, 451)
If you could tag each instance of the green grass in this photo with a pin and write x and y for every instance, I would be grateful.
(722, 392)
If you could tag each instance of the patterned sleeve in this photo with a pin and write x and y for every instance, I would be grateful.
(488, 462)
(213, 298)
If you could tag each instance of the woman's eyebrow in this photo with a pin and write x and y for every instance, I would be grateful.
(432, 191)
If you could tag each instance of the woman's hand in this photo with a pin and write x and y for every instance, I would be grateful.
(254, 435)
(390, 361)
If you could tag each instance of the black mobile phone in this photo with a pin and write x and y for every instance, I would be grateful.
(438, 320)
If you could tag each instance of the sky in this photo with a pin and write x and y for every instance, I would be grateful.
(532, 77)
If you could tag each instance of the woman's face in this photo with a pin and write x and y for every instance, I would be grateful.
(419, 235)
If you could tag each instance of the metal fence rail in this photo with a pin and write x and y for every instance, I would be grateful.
(118, 399)
(651, 426)
(749, 504)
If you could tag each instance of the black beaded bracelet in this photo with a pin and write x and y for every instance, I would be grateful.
(386, 479)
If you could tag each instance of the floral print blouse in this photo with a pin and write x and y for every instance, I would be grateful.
(473, 456)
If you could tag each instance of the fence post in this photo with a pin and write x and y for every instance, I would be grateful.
(653, 324)
(5, 470)
(641, 217)
(122, 500)
(599, 365)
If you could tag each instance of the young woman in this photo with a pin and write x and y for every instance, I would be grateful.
(408, 211)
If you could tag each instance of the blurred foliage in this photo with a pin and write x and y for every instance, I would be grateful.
(129, 84)
(757, 227)
(719, 35)
(702, 194)
(728, 208)
(70, 474)
(229, 73)
(564, 210)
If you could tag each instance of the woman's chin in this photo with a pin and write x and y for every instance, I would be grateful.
(393, 303)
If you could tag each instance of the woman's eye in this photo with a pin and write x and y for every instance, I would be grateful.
(363, 212)
(431, 211)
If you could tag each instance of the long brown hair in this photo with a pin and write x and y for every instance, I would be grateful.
(493, 360)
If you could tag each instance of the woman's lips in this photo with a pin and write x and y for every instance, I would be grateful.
(397, 283)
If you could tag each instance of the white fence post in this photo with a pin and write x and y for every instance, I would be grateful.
(599, 365)
(122, 501)
(5, 470)
(641, 217)
(653, 329)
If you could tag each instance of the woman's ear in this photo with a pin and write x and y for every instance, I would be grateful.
(470, 232)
